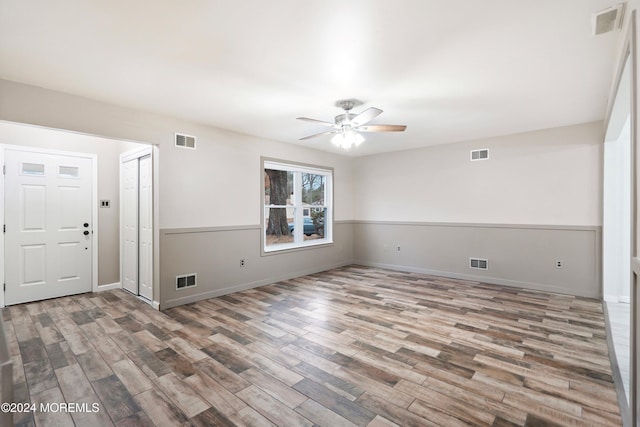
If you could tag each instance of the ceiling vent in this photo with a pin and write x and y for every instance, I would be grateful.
(607, 20)
(185, 141)
(482, 154)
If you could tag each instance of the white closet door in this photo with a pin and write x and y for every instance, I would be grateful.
(145, 207)
(130, 226)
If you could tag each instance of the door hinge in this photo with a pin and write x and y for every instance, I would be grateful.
(4, 286)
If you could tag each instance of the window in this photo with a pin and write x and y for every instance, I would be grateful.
(297, 205)
(32, 169)
(68, 171)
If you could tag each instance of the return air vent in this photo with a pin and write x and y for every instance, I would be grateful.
(478, 263)
(482, 154)
(607, 20)
(185, 141)
(186, 281)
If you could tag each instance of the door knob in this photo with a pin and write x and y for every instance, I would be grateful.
(86, 224)
(86, 232)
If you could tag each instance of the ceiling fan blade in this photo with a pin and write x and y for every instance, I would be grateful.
(329, 132)
(318, 122)
(366, 116)
(382, 128)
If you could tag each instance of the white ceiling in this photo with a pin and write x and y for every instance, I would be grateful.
(450, 70)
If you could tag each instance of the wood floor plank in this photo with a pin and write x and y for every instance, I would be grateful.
(211, 417)
(162, 412)
(51, 417)
(176, 362)
(225, 376)
(275, 369)
(321, 415)
(382, 407)
(217, 395)
(131, 376)
(94, 366)
(272, 409)
(74, 383)
(273, 387)
(379, 421)
(335, 402)
(117, 401)
(249, 417)
(40, 376)
(332, 382)
(109, 351)
(181, 394)
(94, 414)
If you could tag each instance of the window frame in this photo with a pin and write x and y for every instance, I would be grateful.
(297, 168)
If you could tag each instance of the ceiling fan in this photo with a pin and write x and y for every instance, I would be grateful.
(347, 127)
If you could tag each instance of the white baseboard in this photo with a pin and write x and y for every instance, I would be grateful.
(616, 299)
(611, 298)
(108, 287)
(155, 305)
(494, 280)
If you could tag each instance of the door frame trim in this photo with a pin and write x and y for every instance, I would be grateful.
(94, 205)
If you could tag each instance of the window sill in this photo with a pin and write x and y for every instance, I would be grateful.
(288, 248)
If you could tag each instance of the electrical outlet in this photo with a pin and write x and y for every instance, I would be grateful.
(559, 263)
(242, 262)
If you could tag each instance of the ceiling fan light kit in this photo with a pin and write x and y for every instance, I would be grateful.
(346, 140)
(347, 126)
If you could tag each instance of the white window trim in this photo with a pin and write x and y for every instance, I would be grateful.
(267, 163)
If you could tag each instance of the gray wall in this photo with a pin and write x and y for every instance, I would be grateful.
(215, 253)
(518, 255)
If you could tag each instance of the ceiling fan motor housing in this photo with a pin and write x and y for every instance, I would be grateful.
(344, 118)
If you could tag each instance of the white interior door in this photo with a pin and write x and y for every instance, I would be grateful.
(49, 230)
(130, 226)
(145, 221)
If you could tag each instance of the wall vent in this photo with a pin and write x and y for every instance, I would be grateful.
(482, 154)
(607, 20)
(185, 141)
(186, 281)
(479, 263)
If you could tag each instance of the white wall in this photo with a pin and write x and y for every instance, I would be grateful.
(550, 177)
(216, 185)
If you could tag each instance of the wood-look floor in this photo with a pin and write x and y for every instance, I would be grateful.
(351, 346)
